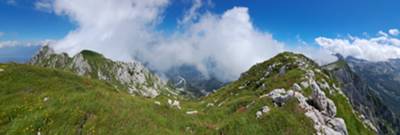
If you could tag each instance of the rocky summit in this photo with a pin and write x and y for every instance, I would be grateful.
(317, 96)
(132, 76)
(89, 94)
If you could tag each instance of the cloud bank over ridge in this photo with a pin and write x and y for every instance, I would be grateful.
(383, 47)
(222, 45)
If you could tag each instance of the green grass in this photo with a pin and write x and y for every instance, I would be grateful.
(95, 107)
(88, 106)
(71, 100)
(344, 110)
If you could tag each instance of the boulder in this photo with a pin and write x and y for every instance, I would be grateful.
(45, 99)
(280, 96)
(338, 125)
(324, 121)
(324, 85)
(192, 112)
(157, 102)
(305, 84)
(329, 131)
(331, 108)
(321, 102)
(296, 87)
(175, 103)
(210, 105)
(263, 110)
(258, 114)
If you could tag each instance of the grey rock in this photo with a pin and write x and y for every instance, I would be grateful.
(321, 101)
(262, 111)
(279, 96)
(132, 76)
(338, 125)
(296, 87)
(282, 71)
(324, 123)
(363, 97)
(192, 112)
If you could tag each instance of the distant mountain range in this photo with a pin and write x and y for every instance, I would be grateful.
(187, 78)
(364, 98)
(383, 77)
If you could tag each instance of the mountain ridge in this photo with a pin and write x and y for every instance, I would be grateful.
(287, 94)
(290, 75)
(383, 77)
(132, 76)
(364, 98)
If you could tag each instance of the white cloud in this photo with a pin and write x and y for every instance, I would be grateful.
(15, 43)
(379, 48)
(383, 34)
(2, 34)
(193, 13)
(229, 42)
(44, 5)
(4, 44)
(221, 45)
(318, 54)
(394, 32)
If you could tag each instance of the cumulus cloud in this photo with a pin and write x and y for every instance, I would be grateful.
(394, 32)
(318, 54)
(115, 28)
(192, 13)
(44, 5)
(379, 48)
(222, 45)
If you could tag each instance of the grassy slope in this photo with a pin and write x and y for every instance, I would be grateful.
(81, 104)
(94, 107)
(293, 74)
(74, 101)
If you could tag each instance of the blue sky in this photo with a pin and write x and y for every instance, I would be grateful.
(288, 21)
(285, 19)
(21, 21)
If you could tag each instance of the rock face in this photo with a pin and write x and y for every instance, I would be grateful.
(321, 102)
(318, 108)
(132, 76)
(334, 98)
(382, 77)
(365, 99)
(312, 87)
(324, 123)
